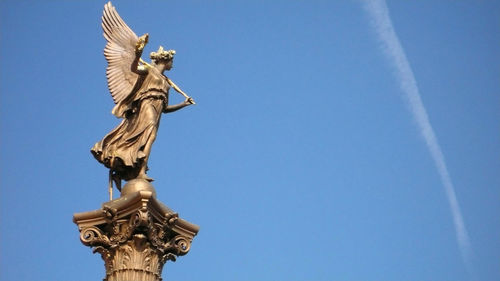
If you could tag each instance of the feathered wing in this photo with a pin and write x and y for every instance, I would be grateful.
(120, 54)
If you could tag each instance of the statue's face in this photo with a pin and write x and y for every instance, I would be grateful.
(169, 64)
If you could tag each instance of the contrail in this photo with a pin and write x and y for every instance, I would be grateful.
(391, 46)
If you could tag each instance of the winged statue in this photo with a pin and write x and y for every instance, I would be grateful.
(140, 91)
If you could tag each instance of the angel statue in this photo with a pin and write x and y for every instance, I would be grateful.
(140, 92)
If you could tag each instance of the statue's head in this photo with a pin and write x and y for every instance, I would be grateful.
(162, 55)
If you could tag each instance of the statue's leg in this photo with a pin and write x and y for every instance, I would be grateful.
(151, 118)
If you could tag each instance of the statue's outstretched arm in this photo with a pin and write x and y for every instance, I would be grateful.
(172, 108)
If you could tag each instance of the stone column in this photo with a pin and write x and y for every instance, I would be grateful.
(135, 234)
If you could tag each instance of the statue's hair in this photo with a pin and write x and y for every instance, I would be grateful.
(162, 55)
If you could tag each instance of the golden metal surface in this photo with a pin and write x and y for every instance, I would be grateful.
(140, 91)
(135, 185)
(135, 234)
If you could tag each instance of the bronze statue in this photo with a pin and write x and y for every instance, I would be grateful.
(140, 91)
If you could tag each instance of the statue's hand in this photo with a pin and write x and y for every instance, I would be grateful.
(189, 101)
(143, 40)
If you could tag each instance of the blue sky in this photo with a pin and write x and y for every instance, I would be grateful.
(302, 160)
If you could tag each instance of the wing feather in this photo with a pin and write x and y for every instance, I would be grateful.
(119, 53)
(123, 30)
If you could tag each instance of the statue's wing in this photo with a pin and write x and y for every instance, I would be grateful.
(120, 54)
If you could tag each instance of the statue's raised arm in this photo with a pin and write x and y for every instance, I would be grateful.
(122, 52)
(140, 92)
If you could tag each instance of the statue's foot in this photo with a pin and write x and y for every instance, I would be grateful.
(143, 176)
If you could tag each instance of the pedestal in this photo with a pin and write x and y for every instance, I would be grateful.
(135, 234)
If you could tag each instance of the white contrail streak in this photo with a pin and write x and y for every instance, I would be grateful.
(394, 51)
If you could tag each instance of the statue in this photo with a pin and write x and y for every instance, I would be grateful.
(135, 234)
(140, 91)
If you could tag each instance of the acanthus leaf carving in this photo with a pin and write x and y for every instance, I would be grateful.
(135, 243)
